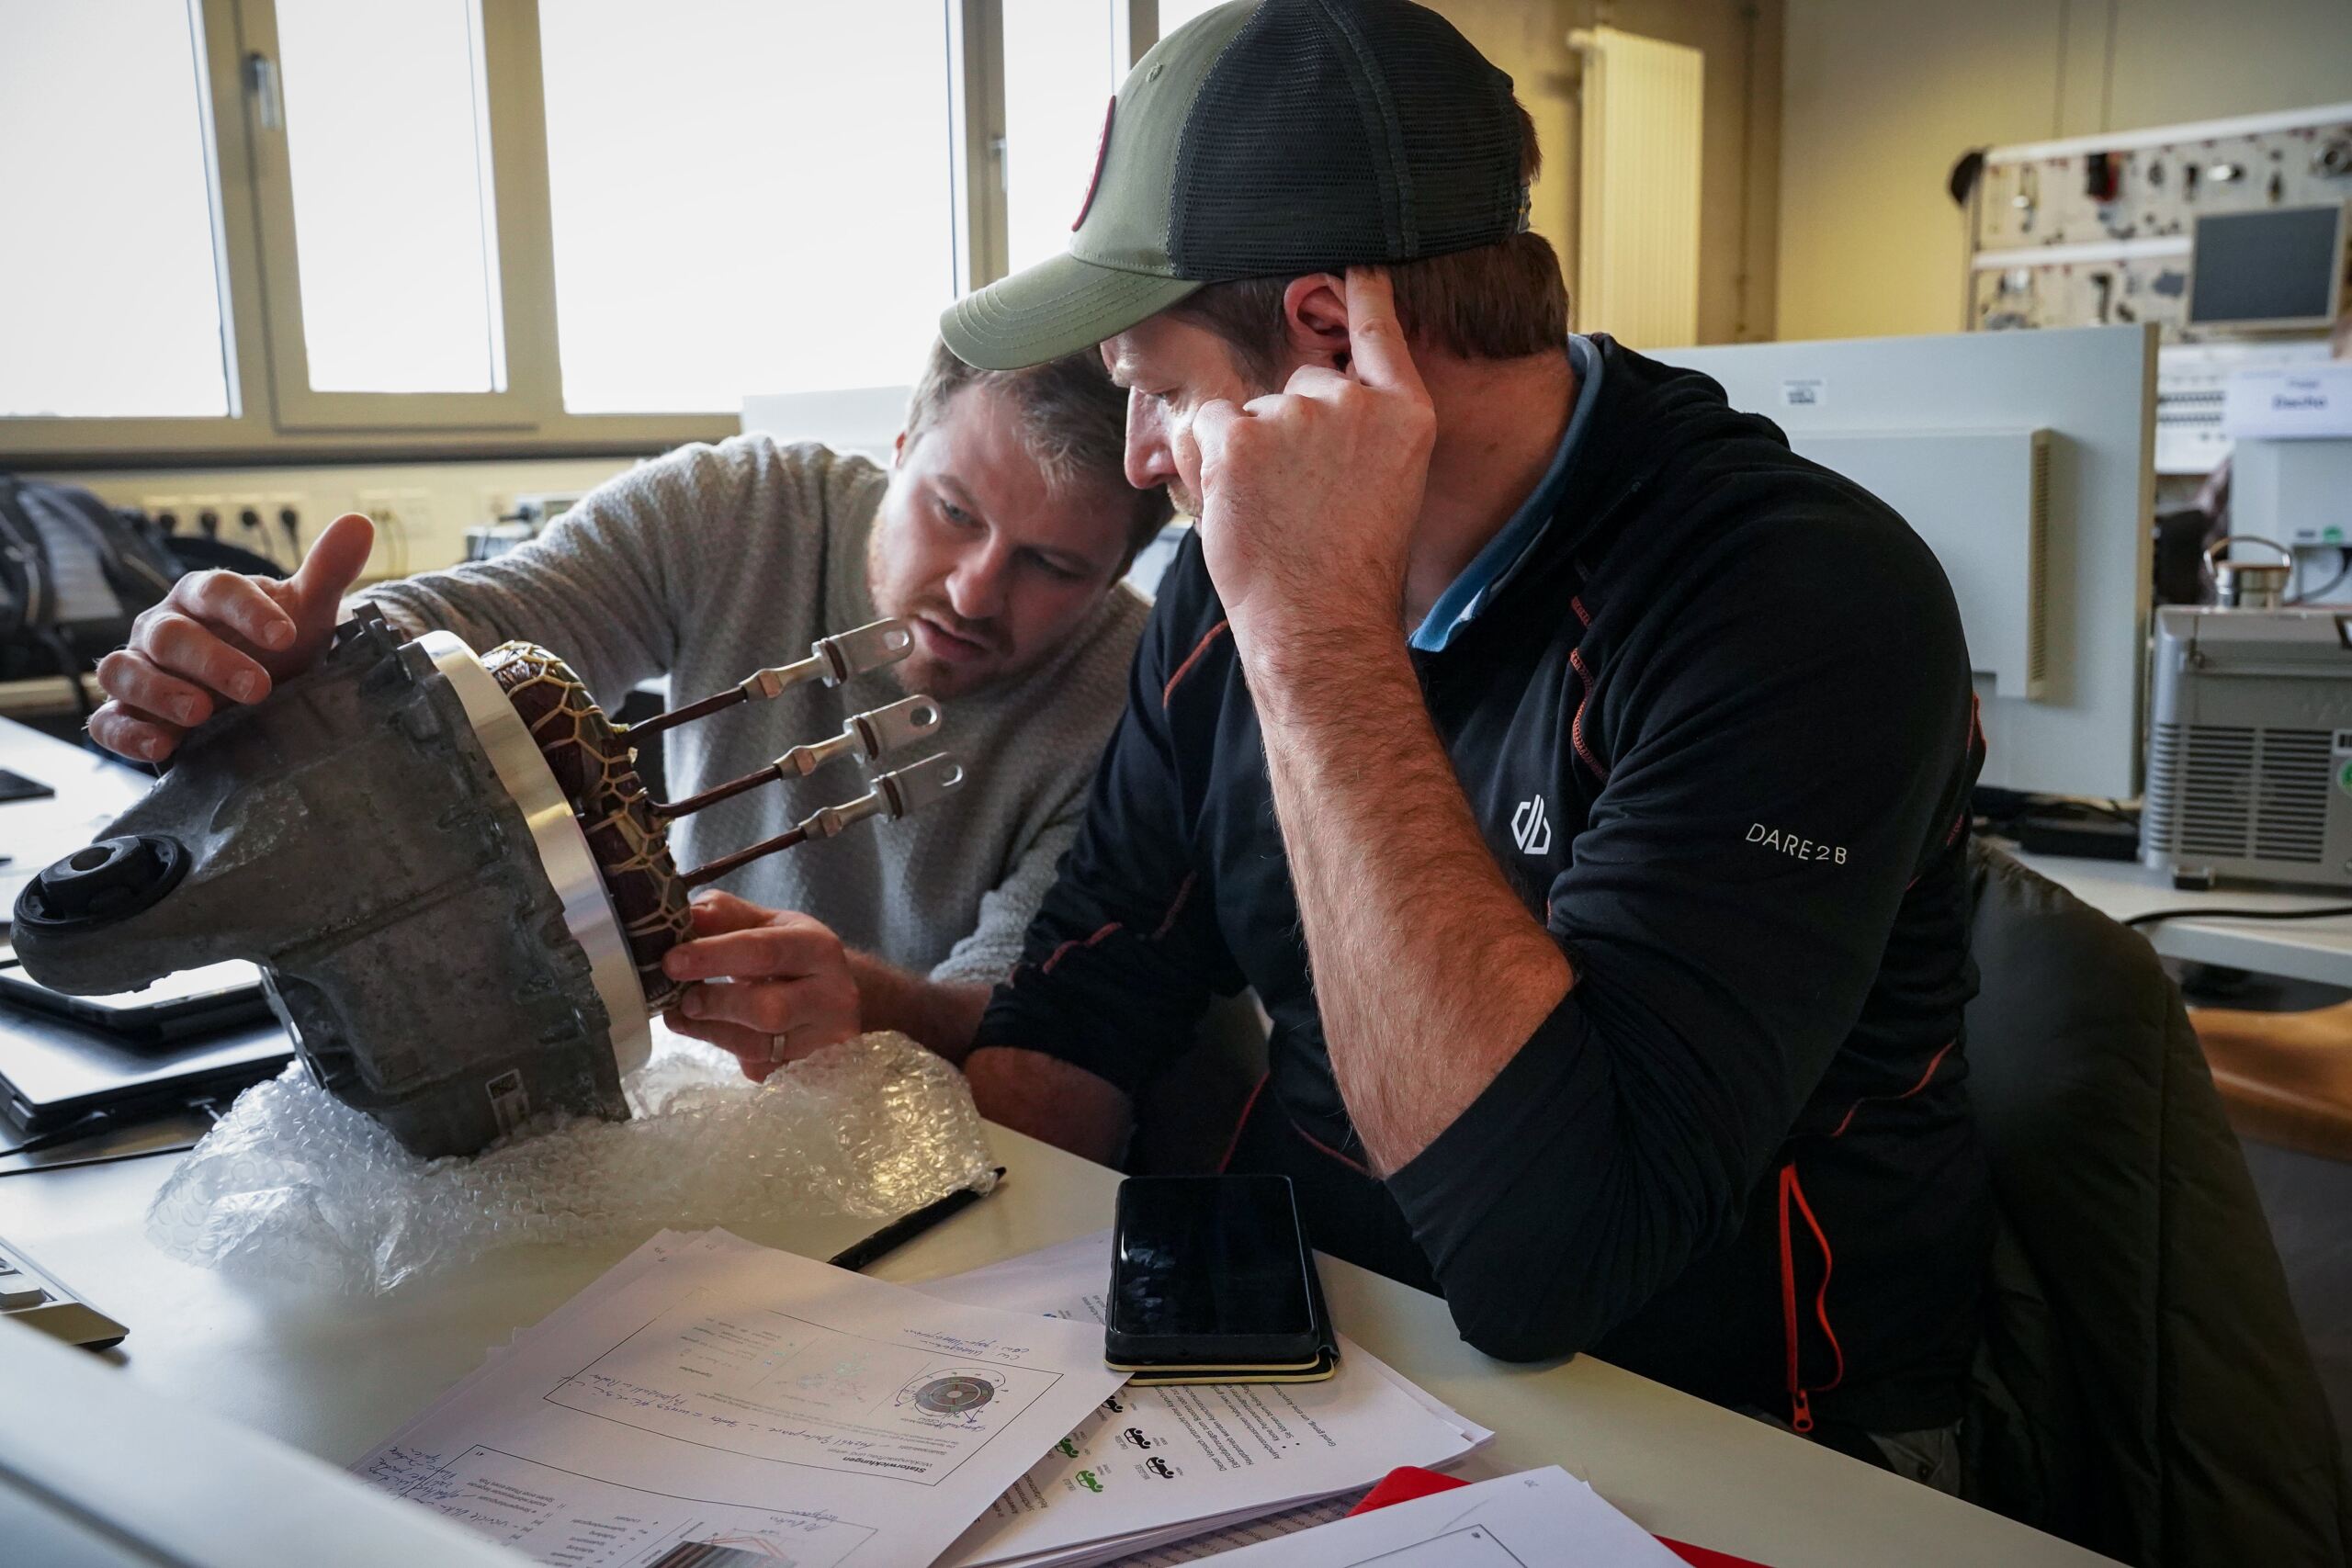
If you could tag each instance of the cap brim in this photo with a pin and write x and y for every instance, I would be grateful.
(1055, 308)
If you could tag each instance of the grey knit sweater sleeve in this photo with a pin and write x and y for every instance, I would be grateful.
(713, 561)
(989, 954)
(611, 584)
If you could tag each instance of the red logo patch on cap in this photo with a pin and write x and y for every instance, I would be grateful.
(1101, 151)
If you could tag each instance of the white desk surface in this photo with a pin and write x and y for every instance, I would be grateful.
(91, 792)
(333, 1375)
(2304, 949)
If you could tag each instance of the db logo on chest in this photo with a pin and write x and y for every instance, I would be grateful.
(1531, 828)
(1794, 845)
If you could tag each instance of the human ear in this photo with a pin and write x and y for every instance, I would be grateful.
(1315, 319)
(897, 448)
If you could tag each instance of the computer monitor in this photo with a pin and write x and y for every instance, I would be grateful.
(2024, 459)
(2275, 270)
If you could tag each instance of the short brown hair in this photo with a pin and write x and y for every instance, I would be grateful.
(1497, 301)
(1071, 419)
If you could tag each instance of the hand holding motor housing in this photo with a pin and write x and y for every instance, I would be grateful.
(770, 986)
(221, 637)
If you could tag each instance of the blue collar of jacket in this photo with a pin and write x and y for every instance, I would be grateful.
(1470, 593)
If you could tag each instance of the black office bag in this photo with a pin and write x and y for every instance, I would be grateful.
(74, 572)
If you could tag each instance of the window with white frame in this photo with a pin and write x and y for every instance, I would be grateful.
(289, 227)
(1174, 14)
(747, 197)
(387, 150)
(114, 310)
(1063, 59)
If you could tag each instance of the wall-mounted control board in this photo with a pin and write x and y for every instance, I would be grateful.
(2105, 230)
(2233, 236)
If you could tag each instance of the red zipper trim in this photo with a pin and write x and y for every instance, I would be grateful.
(1167, 693)
(1176, 907)
(1074, 944)
(1800, 1396)
(1820, 1297)
(1318, 1145)
(1233, 1145)
(1933, 1063)
(1799, 1409)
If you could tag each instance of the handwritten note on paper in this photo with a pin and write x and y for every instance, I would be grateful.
(723, 1388)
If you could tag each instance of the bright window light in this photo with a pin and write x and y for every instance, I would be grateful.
(110, 288)
(386, 137)
(1174, 14)
(749, 196)
(1060, 74)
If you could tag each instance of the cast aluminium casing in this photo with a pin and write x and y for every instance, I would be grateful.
(2250, 747)
(383, 836)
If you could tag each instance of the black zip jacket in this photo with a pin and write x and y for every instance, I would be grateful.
(1717, 726)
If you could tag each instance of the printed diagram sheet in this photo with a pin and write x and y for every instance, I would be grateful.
(1539, 1519)
(1290, 1521)
(773, 1385)
(1248, 1532)
(710, 1391)
(557, 1516)
(1157, 1464)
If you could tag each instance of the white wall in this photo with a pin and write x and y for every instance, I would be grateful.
(1738, 161)
(1879, 97)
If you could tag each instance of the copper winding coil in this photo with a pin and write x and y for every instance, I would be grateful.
(596, 770)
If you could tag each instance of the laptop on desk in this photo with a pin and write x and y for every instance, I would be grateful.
(56, 1071)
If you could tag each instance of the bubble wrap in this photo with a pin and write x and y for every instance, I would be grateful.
(294, 1185)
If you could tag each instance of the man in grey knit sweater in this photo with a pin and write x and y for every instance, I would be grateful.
(1001, 530)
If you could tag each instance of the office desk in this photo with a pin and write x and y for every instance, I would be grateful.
(91, 791)
(334, 1375)
(2302, 949)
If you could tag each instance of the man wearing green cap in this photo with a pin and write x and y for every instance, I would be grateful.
(1579, 778)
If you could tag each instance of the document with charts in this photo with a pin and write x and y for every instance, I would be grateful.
(708, 1391)
(1539, 1519)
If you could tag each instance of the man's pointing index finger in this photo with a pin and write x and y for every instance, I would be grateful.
(1376, 350)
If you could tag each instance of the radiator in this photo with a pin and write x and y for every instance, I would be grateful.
(1637, 247)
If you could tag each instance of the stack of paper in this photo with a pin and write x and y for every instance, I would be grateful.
(1166, 1465)
(709, 1391)
(1540, 1518)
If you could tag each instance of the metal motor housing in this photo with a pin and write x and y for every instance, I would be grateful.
(383, 837)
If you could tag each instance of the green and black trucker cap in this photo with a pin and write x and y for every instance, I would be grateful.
(1267, 138)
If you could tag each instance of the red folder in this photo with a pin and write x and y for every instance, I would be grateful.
(1407, 1482)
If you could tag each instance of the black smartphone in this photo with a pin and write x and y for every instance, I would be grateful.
(1213, 1271)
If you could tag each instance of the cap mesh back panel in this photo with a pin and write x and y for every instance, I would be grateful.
(1337, 132)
